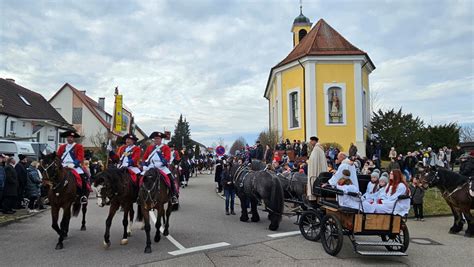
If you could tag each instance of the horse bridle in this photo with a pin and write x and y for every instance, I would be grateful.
(148, 191)
(64, 182)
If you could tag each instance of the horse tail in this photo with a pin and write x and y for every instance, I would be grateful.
(76, 208)
(277, 196)
(139, 213)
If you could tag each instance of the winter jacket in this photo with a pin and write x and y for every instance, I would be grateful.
(225, 178)
(2, 177)
(467, 167)
(417, 194)
(21, 174)
(393, 166)
(218, 173)
(33, 183)
(11, 182)
(259, 152)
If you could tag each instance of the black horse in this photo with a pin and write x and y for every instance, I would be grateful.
(294, 185)
(455, 190)
(115, 187)
(62, 194)
(254, 185)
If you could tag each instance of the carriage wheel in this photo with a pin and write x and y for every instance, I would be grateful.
(310, 225)
(403, 238)
(331, 234)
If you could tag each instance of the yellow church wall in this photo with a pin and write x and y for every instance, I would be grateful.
(273, 106)
(335, 73)
(365, 79)
(292, 79)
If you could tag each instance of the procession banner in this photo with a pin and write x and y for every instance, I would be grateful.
(118, 120)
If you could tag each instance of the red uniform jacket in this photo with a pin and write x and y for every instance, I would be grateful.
(133, 158)
(165, 151)
(77, 153)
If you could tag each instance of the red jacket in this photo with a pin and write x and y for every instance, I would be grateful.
(77, 151)
(165, 151)
(133, 158)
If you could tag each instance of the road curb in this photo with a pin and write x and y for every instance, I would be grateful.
(19, 218)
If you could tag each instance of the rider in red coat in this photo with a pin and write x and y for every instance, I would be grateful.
(72, 157)
(158, 156)
(128, 156)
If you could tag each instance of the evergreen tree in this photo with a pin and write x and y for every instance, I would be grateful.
(182, 135)
(197, 151)
(395, 129)
(439, 136)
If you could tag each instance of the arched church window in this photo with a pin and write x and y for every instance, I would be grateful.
(302, 33)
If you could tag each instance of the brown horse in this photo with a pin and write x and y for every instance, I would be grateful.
(115, 187)
(62, 193)
(154, 194)
(455, 190)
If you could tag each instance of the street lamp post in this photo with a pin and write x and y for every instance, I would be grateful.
(182, 141)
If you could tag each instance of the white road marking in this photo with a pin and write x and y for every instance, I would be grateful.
(285, 234)
(170, 238)
(199, 248)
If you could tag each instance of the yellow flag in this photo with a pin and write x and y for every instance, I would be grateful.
(118, 114)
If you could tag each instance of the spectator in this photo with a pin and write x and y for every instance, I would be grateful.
(218, 175)
(393, 165)
(2, 178)
(33, 186)
(259, 151)
(304, 150)
(276, 166)
(10, 190)
(297, 148)
(417, 195)
(466, 167)
(229, 190)
(20, 169)
(352, 150)
(393, 153)
(276, 157)
(410, 163)
(286, 168)
(285, 158)
(268, 154)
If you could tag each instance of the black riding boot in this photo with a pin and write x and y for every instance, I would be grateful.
(83, 193)
(174, 191)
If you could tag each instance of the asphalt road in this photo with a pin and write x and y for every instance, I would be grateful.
(199, 224)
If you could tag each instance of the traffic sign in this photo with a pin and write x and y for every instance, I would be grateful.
(220, 150)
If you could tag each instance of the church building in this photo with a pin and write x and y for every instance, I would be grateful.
(321, 88)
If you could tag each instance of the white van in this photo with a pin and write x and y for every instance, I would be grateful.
(14, 148)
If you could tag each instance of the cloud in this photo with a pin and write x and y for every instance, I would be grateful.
(209, 60)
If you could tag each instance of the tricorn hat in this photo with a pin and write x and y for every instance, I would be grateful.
(130, 136)
(70, 133)
(157, 134)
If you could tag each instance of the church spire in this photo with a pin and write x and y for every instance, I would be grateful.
(301, 26)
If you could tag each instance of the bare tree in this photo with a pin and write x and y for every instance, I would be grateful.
(99, 139)
(268, 137)
(237, 145)
(467, 133)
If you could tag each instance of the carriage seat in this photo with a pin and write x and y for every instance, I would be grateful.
(364, 181)
(322, 179)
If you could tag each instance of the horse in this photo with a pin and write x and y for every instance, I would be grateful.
(294, 185)
(455, 190)
(62, 193)
(254, 185)
(154, 194)
(115, 187)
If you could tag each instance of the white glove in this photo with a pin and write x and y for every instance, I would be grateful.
(109, 147)
(125, 164)
(70, 166)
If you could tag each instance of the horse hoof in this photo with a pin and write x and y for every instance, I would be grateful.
(83, 228)
(157, 239)
(273, 227)
(166, 232)
(124, 242)
(129, 234)
(59, 246)
(106, 244)
(148, 250)
(255, 219)
(243, 219)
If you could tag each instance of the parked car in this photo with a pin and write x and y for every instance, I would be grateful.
(14, 148)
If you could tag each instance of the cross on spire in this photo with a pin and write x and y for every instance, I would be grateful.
(301, 6)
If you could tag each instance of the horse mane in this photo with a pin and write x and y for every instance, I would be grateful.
(257, 165)
(451, 179)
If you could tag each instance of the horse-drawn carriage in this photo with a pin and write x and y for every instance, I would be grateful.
(329, 222)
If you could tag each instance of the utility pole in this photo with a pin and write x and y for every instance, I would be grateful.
(182, 141)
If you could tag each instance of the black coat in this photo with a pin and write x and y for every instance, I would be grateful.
(22, 174)
(225, 178)
(11, 182)
(259, 152)
(268, 156)
(304, 150)
(467, 167)
(218, 174)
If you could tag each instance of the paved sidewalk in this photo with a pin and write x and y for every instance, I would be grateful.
(21, 214)
(431, 245)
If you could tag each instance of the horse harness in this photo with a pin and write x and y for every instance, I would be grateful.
(62, 184)
(148, 192)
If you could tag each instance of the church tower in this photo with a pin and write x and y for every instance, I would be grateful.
(301, 27)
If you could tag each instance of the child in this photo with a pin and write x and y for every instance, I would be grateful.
(369, 203)
(345, 184)
(417, 195)
(373, 186)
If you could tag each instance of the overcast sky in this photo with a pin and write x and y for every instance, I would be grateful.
(210, 60)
